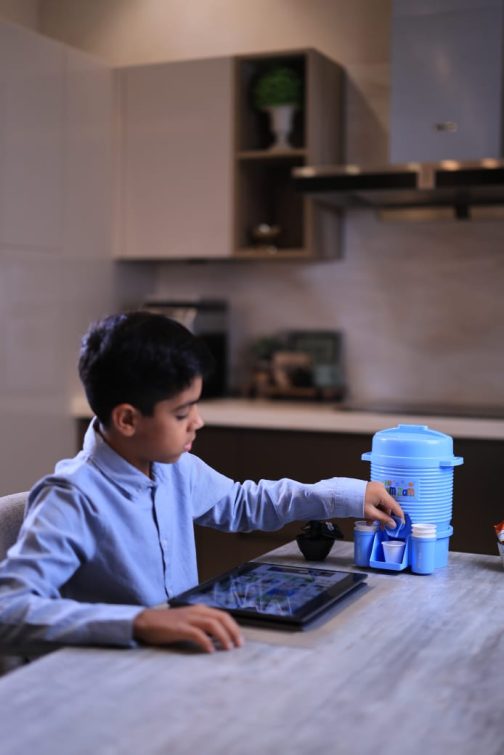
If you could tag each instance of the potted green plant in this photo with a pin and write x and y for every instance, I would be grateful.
(279, 91)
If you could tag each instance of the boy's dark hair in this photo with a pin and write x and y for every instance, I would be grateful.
(138, 358)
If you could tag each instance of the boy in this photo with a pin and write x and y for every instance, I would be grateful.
(110, 534)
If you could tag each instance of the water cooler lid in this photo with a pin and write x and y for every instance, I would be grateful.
(411, 442)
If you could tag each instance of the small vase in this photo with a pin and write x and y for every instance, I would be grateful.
(281, 118)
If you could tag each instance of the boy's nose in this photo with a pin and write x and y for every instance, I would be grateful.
(198, 420)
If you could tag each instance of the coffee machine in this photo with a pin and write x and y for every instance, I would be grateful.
(206, 319)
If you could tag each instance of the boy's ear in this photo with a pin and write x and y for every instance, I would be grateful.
(124, 419)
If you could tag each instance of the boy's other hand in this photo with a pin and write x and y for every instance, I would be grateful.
(379, 505)
(200, 624)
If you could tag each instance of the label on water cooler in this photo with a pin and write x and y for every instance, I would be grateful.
(403, 489)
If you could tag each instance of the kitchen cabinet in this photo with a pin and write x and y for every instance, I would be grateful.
(175, 162)
(446, 80)
(196, 172)
(270, 454)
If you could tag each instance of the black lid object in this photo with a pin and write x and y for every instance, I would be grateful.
(317, 538)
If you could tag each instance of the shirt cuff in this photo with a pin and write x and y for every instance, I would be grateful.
(115, 627)
(347, 496)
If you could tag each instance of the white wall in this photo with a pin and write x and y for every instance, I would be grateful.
(56, 272)
(127, 32)
(25, 12)
(420, 304)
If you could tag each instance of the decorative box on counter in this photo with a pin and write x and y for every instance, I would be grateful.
(298, 364)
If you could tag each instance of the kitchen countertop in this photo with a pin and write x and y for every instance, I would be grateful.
(410, 664)
(318, 417)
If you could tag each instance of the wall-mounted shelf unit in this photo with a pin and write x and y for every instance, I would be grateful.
(197, 172)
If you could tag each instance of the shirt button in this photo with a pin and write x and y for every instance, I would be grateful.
(164, 543)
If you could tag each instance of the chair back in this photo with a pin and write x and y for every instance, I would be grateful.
(12, 508)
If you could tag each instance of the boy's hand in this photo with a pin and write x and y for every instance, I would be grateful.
(378, 504)
(199, 624)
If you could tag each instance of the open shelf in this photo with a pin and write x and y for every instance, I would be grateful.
(253, 130)
(266, 194)
(264, 187)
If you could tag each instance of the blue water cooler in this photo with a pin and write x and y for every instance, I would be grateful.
(416, 465)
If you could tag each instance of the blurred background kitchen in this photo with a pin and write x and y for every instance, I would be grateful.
(126, 179)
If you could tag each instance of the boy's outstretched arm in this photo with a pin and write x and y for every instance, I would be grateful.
(199, 624)
(268, 505)
(379, 505)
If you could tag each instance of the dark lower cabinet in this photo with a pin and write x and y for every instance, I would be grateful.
(248, 454)
(270, 454)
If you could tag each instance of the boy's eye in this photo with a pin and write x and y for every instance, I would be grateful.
(181, 416)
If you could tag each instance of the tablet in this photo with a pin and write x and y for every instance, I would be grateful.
(273, 594)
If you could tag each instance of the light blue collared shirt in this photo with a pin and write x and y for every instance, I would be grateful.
(101, 541)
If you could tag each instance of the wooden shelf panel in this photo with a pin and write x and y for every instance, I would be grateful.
(269, 154)
(271, 254)
(265, 194)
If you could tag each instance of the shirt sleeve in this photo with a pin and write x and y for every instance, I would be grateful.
(55, 539)
(268, 505)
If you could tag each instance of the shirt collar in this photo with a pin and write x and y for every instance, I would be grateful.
(114, 466)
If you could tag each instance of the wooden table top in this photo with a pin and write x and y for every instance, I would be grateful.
(406, 666)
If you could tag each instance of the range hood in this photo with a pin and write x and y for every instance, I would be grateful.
(446, 115)
(460, 186)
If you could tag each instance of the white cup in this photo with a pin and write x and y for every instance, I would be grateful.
(393, 550)
(422, 526)
(364, 526)
(423, 530)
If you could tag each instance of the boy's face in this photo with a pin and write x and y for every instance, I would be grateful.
(169, 432)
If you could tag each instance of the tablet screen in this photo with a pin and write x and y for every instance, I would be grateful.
(289, 594)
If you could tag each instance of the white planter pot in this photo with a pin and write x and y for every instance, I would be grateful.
(281, 120)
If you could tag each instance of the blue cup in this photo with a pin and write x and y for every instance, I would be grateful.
(423, 554)
(363, 544)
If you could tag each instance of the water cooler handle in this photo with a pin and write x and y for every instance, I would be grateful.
(455, 461)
